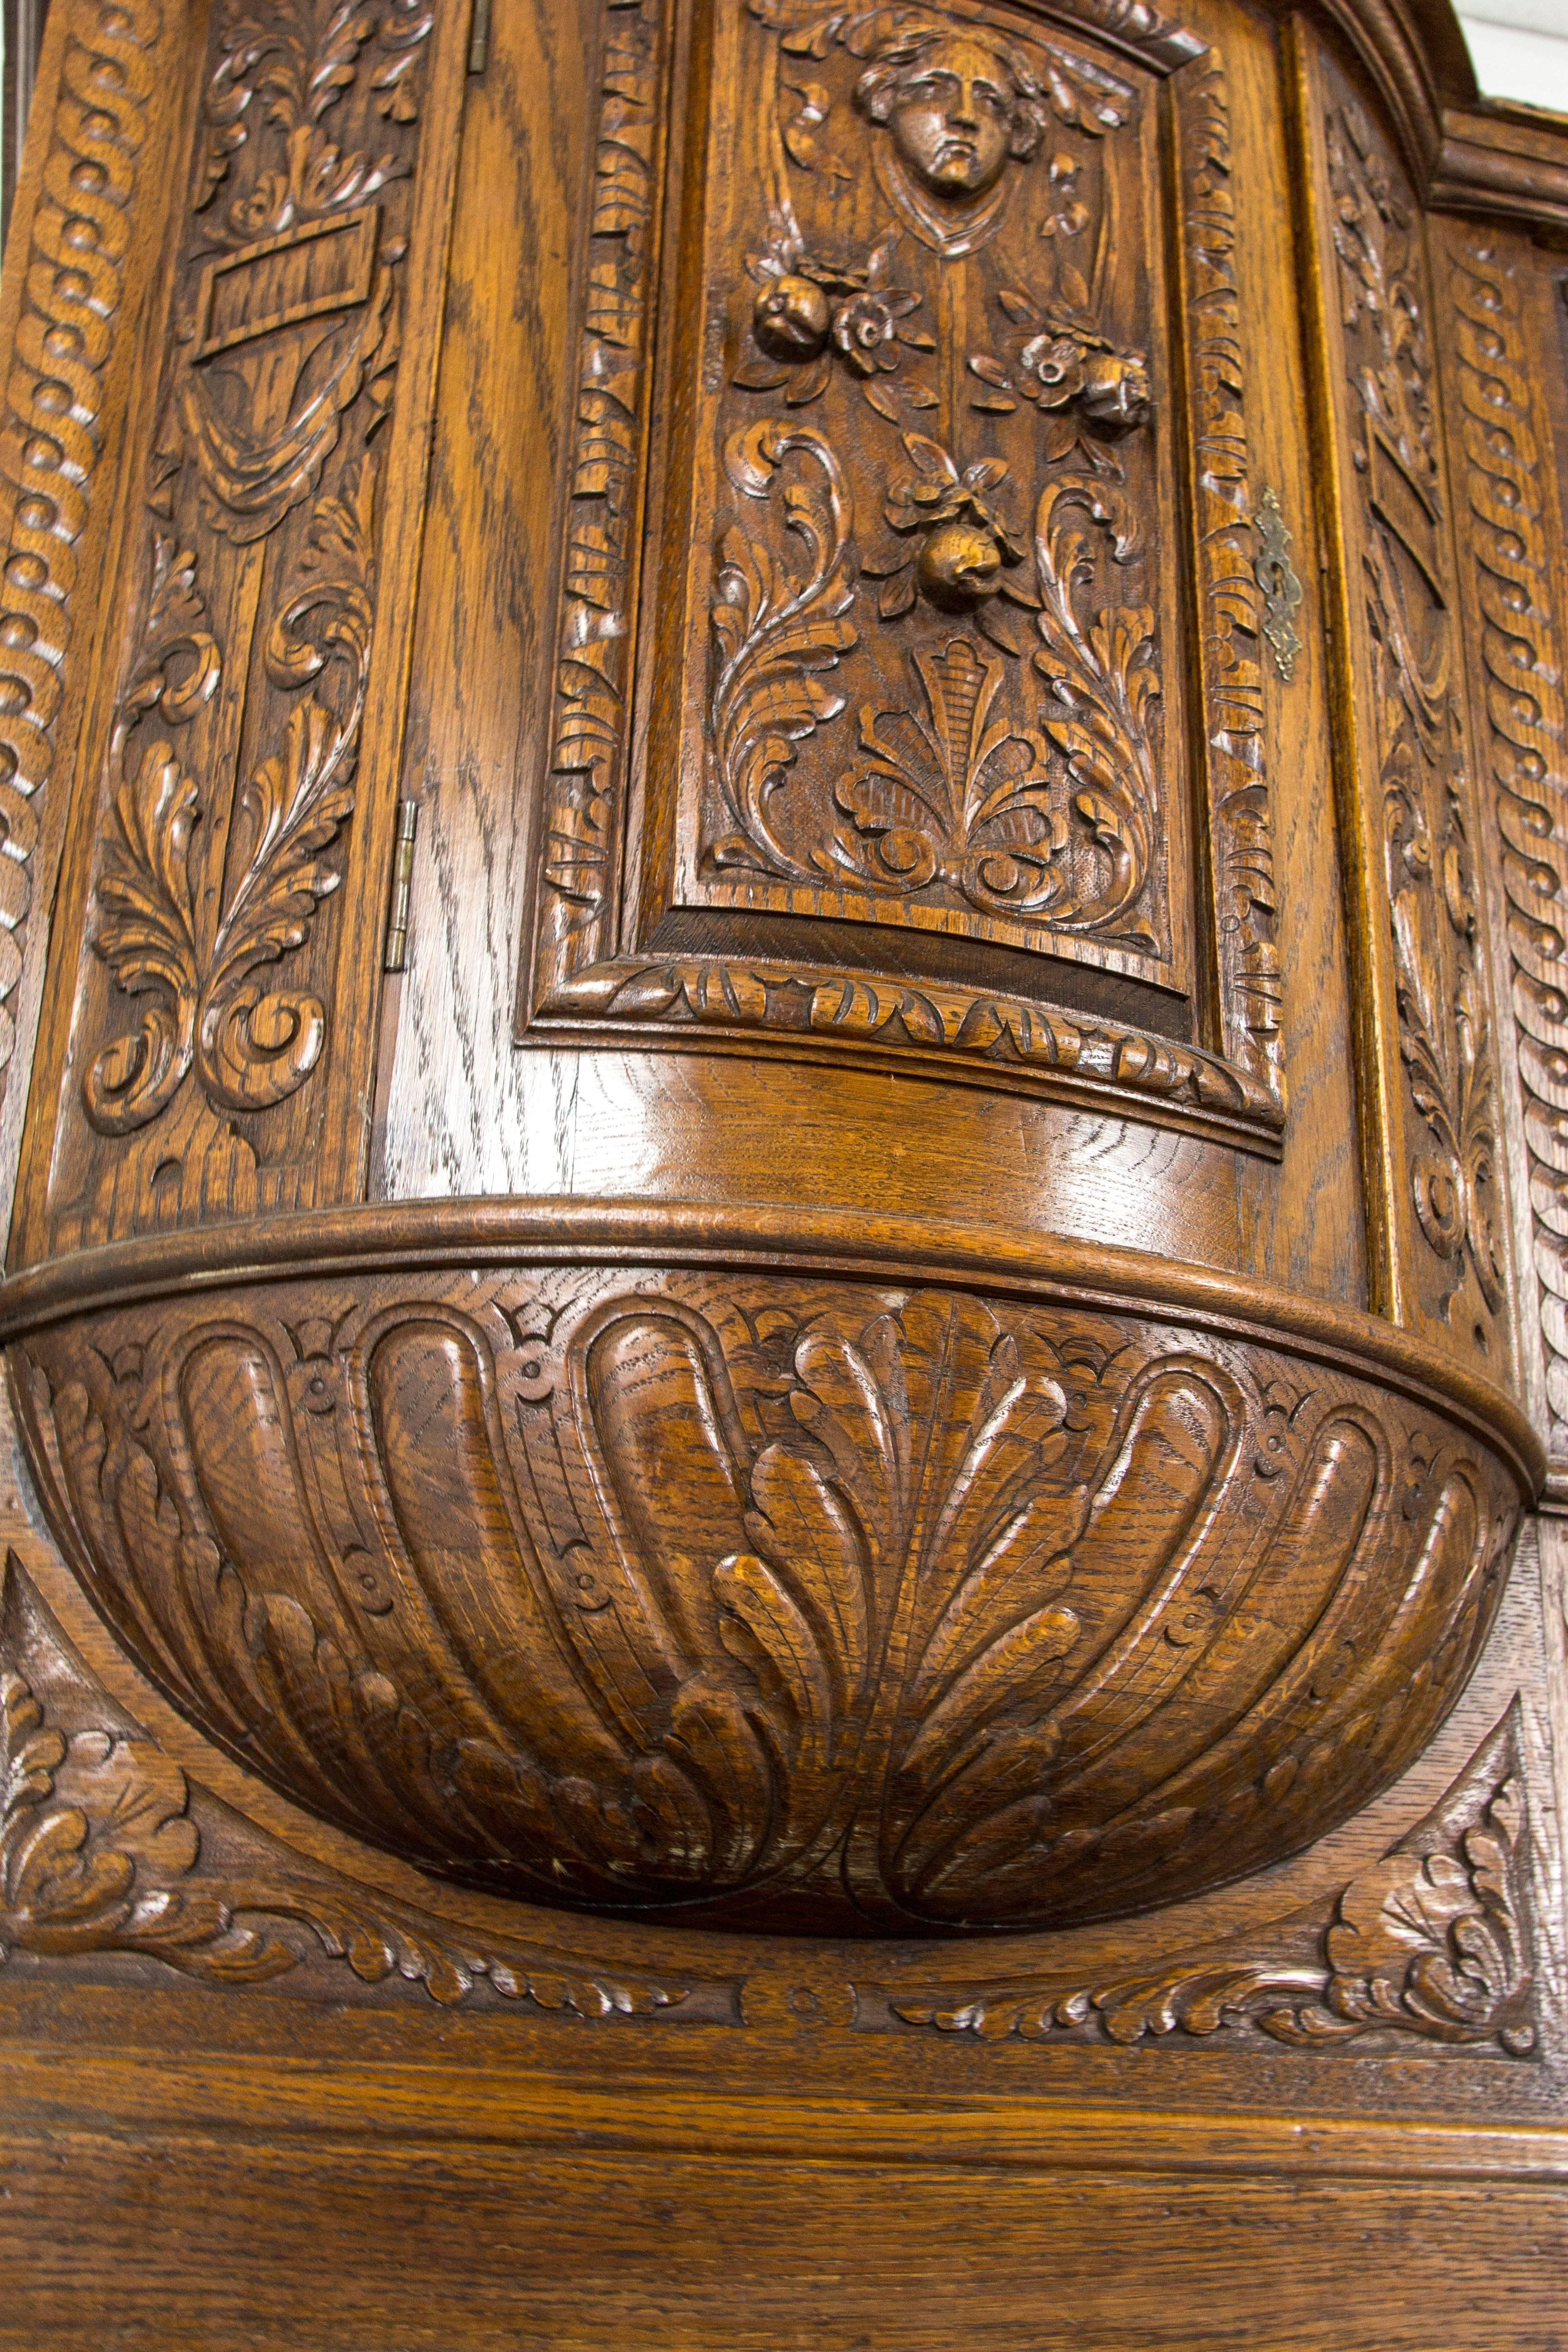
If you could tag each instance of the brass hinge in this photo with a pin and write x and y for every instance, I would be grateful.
(397, 958)
(479, 37)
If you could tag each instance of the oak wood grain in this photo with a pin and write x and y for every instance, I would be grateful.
(791, 1600)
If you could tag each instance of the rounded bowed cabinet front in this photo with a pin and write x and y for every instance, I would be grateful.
(796, 1073)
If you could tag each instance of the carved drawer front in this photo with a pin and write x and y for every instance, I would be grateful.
(927, 670)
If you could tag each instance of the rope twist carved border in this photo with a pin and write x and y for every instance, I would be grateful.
(1525, 740)
(52, 432)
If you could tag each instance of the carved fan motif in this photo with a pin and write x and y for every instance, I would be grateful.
(800, 1605)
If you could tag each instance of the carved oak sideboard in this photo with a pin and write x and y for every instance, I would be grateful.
(784, 1017)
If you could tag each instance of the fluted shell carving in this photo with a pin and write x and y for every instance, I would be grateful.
(770, 1600)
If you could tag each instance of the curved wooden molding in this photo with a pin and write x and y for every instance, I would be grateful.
(507, 1230)
(1432, 1944)
(107, 1846)
(770, 1596)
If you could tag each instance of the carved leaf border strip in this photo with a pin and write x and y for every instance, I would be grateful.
(578, 979)
(1252, 986)
(66, 339)
(1526, 739)
(584, 812)
(1444, 1034)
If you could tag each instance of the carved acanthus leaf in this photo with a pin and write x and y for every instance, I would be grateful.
(1430, 1944)
(103, 1849)
(250, 1047)
(777, 634)
(1103, 680)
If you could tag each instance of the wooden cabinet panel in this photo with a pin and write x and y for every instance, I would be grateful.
(785, 1009)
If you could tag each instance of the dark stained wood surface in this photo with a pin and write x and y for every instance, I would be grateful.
(770, 1605)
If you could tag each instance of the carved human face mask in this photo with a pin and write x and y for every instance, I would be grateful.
(953, 121)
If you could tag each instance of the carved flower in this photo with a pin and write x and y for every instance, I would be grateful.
(1066, 362)
(1111, 386)
(806, 307)
(866, 328)
(1053, 369)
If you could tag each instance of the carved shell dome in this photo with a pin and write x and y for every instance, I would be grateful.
(774, 1599)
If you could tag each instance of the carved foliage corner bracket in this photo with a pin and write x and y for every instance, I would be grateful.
(66, 337)
(1432, 1944)
(104, 1848)
(285, 340)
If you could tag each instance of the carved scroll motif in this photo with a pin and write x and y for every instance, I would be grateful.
(1526, 737)
(108, 1847)
(231, 766)
(67, 334)
(1444, 1030)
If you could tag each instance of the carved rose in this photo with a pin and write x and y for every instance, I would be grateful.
(1111, 387)
(1065, 362)
(866, 328)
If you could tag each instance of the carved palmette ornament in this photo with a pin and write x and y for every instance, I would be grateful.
(231, 770)
(769, 1600)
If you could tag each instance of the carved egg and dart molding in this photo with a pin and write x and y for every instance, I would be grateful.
(819, 1568)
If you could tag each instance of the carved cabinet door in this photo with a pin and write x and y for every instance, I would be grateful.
(783, 1037)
